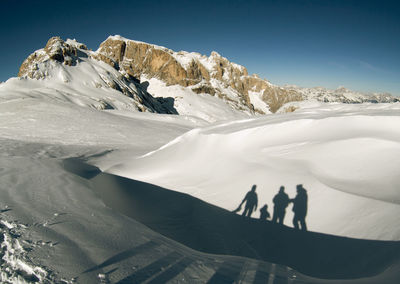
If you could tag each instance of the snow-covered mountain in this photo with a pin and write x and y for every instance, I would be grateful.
(342, 95)
(65, 69)
(179, 82)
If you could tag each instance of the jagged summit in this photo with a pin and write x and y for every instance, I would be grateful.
(214, 75)
(131, 63)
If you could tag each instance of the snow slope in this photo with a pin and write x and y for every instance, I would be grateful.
(346, 156)
(54, 227)
(187, 102)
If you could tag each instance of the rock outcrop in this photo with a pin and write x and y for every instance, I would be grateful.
(214, 75)
(58, 53)
(55, 49)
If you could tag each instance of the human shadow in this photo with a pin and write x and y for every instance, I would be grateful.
(251, 202)
(281, 202)
(210, 229)
(264, 214)
(300, 204)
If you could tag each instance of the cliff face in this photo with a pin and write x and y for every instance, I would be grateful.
(213, 75)
(137, 58)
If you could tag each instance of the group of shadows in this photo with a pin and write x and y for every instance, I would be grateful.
(281, 201)
(213, 230)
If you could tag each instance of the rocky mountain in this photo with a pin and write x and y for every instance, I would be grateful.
(214, 75)
(137, 69)
(68, 62)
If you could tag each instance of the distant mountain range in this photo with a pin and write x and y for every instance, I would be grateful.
(150, 75)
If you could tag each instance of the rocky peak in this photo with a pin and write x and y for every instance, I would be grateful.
(54, 60)
(56, 49)
(214, 75)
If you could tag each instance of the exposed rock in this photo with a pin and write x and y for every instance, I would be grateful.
(29, 66)
(290, 109)
(205, 88)
(55, 49)
(276, 97)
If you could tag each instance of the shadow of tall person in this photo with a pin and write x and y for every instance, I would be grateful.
(300, 208)
(281, 201)
(251, 201)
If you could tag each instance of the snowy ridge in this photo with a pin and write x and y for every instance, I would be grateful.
(342, 95)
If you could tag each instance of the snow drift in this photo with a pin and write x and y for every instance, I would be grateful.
(210, 229)
(347, 158)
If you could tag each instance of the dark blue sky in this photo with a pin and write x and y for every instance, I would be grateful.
(307, 43)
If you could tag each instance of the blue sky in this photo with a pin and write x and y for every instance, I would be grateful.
(348, 43)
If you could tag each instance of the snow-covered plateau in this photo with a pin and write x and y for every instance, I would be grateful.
(101, 182)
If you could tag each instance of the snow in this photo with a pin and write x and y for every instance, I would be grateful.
(187, 102)
(16, 266)
(341, 94)
(74, 42)
(208, 62)
(347, 159)
(257, 102)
